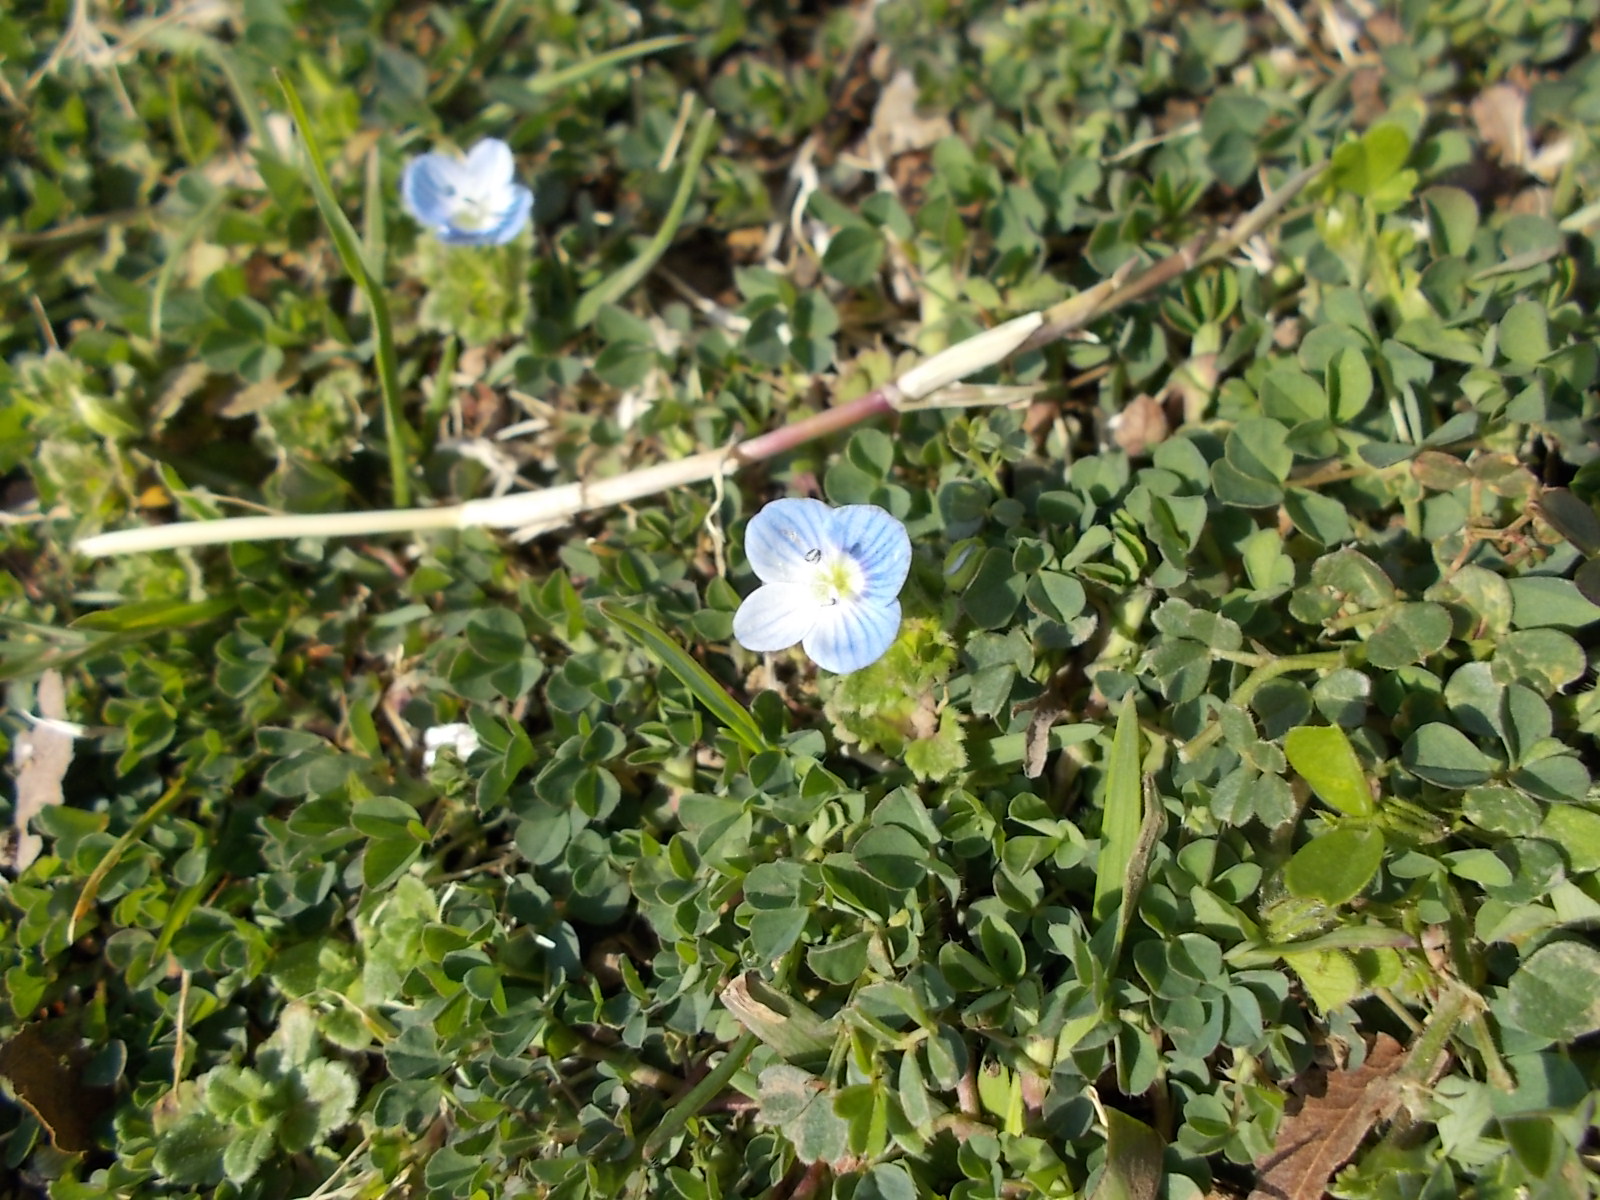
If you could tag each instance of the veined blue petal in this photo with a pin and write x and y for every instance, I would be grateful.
(429, 187)
(879, 544)
(775, 616)
(787, 539)
(489, 166)
(852, 634)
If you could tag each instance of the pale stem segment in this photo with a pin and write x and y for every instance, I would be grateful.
(555, 506)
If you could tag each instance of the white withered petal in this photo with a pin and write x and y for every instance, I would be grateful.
(831, 580)
(474, 201)
(460, 737)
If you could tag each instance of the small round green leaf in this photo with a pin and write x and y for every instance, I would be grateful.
(1525, 333)
(1259, 448)
(1443, 755)
(1541, 601)
(1323, 756)
(1544, 659)
(1556, 993)
(1349, 380)
(1365, 165)
(1577, 832)
(892, 855)
(1452, 219)
(854, 255)
(1409, 633)
(1336, 866)
(1292, 396)
(1239, 490)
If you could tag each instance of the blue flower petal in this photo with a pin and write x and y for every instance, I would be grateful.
(879, 544)
(775, 616)
(489, 166)
(851, 635)
(787, 538)
(428, 188)
(516, 216)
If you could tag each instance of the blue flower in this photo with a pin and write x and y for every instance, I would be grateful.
(831, 580)
(474, 201)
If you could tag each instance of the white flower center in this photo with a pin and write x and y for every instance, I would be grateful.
(838, 577)
(474, 210)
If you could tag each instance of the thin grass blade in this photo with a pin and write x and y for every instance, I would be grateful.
(546, 82)
(1119, 831)
(348, 245)
(374, 224)
(656, 642)
(617, 285)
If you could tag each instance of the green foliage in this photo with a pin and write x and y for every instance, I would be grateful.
(1210, 746)
(225, 1124)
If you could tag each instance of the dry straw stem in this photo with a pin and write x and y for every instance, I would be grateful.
(555, 506)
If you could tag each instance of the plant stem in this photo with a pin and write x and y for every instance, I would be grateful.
(91, 886)
(1263, 674)
(700, 1094)
(555, 506)
(1431, 1044)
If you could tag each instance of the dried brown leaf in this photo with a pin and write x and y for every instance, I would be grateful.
(1328, 1129)
(1367, 101)
(41, 756)
(899, 126)
(252, 398)
(1501, 115)
(1141, 425)
(1036, 741)
(43, 1065)
(782, 1022)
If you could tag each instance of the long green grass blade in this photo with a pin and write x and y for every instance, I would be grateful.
(374, 226)
(100, 632)
(91, 885)
(546, 82)
(1349, 937)
(1119, 829)
(154, 616)
(617, 285)
(1133, 1159)
(703, 1092)
(733, 716)
(348, 245)
(439, 397)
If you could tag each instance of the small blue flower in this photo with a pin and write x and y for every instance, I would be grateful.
(474, 201)
(831, 580)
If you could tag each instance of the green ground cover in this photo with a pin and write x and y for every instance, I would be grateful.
(1221, 820)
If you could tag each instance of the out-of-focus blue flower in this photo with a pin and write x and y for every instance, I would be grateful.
(474, 201)
(831, 580)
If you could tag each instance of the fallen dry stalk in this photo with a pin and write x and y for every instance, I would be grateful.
(554, 506)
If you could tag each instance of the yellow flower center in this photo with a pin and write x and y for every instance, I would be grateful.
(836, 580)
